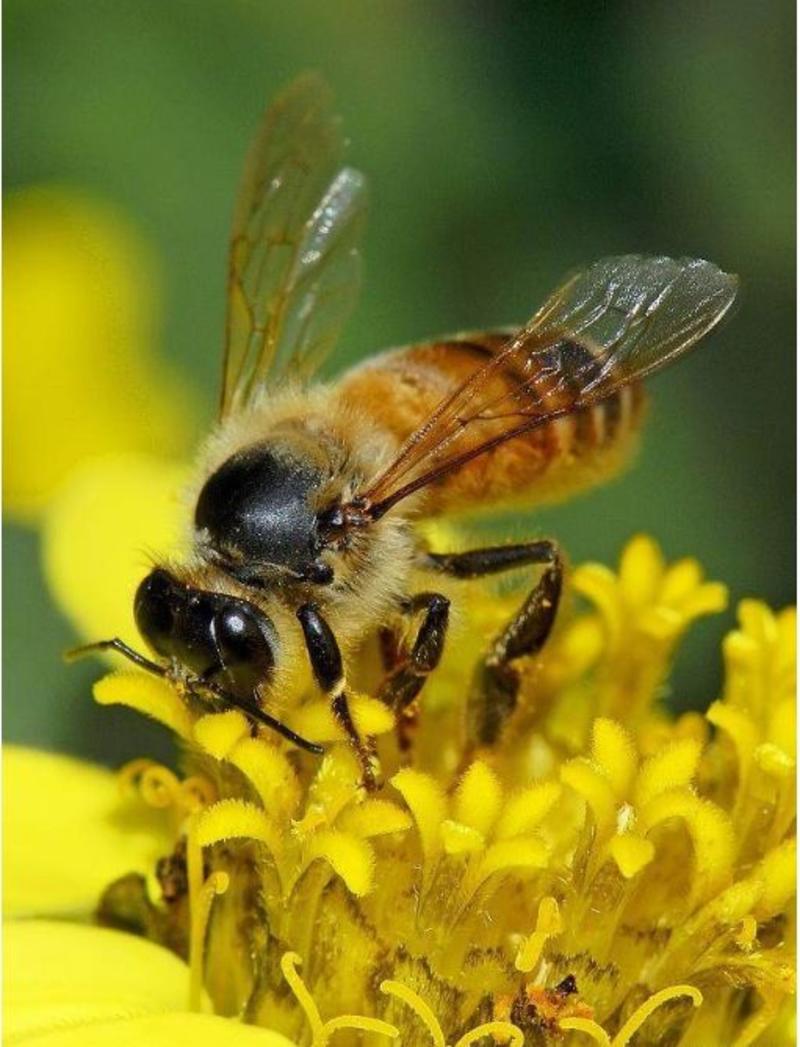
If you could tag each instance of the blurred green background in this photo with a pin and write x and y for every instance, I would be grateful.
(505, 143)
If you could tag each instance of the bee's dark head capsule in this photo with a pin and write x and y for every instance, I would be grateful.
(256, 510)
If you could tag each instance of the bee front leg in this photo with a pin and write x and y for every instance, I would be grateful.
(494, 692)
(402, 685)
(326, 664)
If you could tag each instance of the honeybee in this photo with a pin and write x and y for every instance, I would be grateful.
(308, 496)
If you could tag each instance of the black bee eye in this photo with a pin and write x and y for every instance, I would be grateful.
(245, 643)
(154, 610)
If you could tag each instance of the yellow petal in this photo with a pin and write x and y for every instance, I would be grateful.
(739, 727)
(672, 767)
(710, 830)
(595, 789)
(774, 761)
(599, 584)
(374, 818)
(478, 797)
(270, 773)
(641, 569)
(778, 871)
(426, 801)
(78, 345)
(613, 750)
(681, 579)
(68, 833)
(217, 733)
(461, 839)
(524, 852)
(350, 857)
(316, 721)
(101, 533)
(526, 809)
(70, 985)
(71, 974)
(631, 853)
(151, 695)
(163, 1030)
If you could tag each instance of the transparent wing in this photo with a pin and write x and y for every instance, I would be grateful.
(294, 267)
(606, 326)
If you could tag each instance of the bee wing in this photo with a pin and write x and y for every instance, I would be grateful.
(606, 326)
(294, 266)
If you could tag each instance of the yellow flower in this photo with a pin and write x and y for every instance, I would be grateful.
(528, 895)
(607, 874)
(79, 374)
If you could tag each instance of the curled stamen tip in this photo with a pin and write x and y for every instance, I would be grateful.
(219, 882)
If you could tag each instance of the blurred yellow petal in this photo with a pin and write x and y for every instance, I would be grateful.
(614, 752)
(74, 986)
(641, 570)
(778, 871)
(80, 377)
(68, 833)
(103, 530)
(163, 1030)
(461, 839)
(478, 798)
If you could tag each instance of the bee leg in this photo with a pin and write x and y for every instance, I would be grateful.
(326, 664)
(494, 693)
(402, 685)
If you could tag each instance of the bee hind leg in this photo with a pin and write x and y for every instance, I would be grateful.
(402, 685)
(493, 696)
(326, 664)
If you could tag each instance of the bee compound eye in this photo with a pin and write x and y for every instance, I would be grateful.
(154, 609)
(246, 643)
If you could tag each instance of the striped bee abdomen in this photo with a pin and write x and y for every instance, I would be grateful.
(581, 446)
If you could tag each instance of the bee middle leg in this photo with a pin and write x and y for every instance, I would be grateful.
(326, 664)
(496, 685)
(402, 685)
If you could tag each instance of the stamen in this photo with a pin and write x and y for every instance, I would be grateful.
(159, 787)
(196, 792)
(217, 883)
(597, 1032)
(357, 1021)
(548, 923)
(499, 1030)
(290, 961)
(641, 1014)
(321, 1032)
(420, 1008)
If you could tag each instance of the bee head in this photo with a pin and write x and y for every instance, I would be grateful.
(220, 638)
(256, 511)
